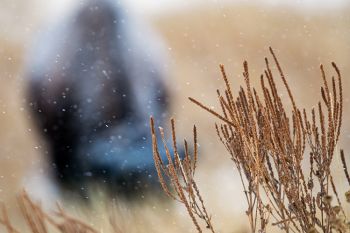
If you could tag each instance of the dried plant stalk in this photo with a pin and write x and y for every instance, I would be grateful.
(271, 148)
(176, 176)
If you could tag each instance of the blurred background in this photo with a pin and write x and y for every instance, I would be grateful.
(199, 36)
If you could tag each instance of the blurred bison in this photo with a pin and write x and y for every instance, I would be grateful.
(94, 79)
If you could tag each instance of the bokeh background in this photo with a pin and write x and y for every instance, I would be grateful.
(199, 35)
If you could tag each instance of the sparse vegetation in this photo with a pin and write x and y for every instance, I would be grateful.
(284, 159)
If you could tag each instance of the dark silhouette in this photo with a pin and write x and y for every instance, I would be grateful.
(94, 80)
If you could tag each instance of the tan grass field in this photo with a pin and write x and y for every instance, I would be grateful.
(198, 41)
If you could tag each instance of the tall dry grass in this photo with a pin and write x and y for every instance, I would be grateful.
(283, 158)
(39, 221)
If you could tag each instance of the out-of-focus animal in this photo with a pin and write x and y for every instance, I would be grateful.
(93, 81)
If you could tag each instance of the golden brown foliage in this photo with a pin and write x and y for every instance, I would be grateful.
(181, 172)
(284, 159)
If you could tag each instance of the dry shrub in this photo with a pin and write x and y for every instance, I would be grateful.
(284, 159)
(181, 172)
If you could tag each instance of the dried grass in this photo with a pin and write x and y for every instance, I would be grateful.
(38, 221)
(284, 159)
(181, 173)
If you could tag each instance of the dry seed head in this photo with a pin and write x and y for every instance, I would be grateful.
(347, 196)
